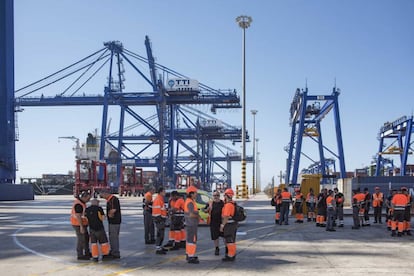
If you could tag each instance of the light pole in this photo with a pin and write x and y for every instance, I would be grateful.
(244, 23)
(254, 112)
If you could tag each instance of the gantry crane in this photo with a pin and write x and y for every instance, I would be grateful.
(306, 114)
(398, 133)
(161, 132)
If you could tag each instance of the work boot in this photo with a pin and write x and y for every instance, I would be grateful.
(217, 251)
(107, 257)
(228, 259)
(193, 260)
(169, 244)
(83, 258)
(95, 260)
(175, 247)
(182, 244)
(393, 234)
(399, 234)
(160, 252)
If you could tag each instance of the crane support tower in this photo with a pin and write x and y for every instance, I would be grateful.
(306, 114)
(398, 133)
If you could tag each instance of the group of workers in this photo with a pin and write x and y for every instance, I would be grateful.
(87, 221)
(184, 219)
(329, 205)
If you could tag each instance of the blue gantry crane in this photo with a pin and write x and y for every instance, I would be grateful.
(306, 114)
(174, 126)
(398, 133)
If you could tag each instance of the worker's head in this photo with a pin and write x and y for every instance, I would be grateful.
(95, 201)
(336, 190)
(161, 191)
(229, 193)
(105, 193)
(85, 195)
(191, 190)
(377, 189)
(404, 190)
(174, 194)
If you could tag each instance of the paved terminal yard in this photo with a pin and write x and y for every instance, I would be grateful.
(37, 239)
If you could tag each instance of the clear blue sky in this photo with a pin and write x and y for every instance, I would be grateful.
(367, 46)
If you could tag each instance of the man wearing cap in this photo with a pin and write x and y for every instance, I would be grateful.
(159, 216)
(377, 202)
(192, 218)
(80, 225)
(407, 212)
(113, 213)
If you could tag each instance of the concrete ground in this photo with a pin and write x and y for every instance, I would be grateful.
(36, 238)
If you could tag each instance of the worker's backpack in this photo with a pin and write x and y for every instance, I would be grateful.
(239, 213)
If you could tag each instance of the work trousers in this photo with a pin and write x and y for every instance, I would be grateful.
(330, 218)
(366, 212)
(98, 236)
(148, 226)
(82, 243)
(160, 225)
(355, 216)
(114, 238)
(340, 213)
(377, 213)
(284, 213)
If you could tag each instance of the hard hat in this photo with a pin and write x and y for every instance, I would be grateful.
(404, 189)
(229, 192)
(191, 189)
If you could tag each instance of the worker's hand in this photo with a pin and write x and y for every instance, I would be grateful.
(221, 227)
(111, 213)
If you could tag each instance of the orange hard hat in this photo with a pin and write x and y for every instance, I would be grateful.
(229, 192)
(191, 189)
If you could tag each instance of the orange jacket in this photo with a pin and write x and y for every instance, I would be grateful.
(310, 198)
(299, 198)
(399, 202)
(330, 200)
(286, 197)
(73, 219)
(377, 199)
(158, 207)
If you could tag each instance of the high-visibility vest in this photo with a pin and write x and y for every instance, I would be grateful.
(73, 219)
(399, 202)
(310, 198)
(329, 201)
(299, 198)
(158, 207)
(377, 199)
(286, 197)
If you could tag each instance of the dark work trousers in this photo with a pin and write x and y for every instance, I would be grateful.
(377, 214)
(284, 213)
(82, 244)
(160, 225)
(149, 226)
(330, 218)
(366, 212)
(229, 232)
(355, 216)
(114, 230)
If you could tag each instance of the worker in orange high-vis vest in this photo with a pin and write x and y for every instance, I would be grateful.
(192, 218)
(330, 211)
(159, 216)
(299, 200)
(407, 212)
(377, 202)
(96, 215)
(80, 225)
(228, 225)
(177, 220)
(399, 202)
(277, 202)
(284, 210)
(311, 204)
(149, 230)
